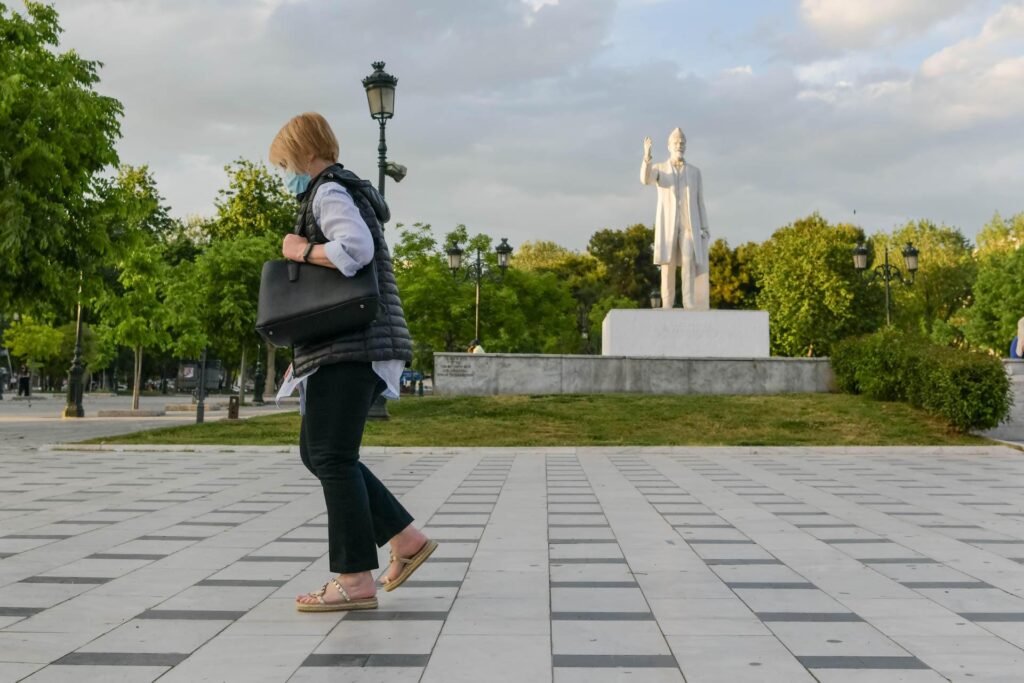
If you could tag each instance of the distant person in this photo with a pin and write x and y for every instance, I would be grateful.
(1017, 345)
(475, 347)
(24, 381)
(340, 226)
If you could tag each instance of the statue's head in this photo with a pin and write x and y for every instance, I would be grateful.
(677, 143)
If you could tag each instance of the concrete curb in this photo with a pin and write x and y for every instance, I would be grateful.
(542, 450)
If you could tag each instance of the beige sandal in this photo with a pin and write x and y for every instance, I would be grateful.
(323, 606)
(411, 565)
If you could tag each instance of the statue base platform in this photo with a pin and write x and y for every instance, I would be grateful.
(681, 333)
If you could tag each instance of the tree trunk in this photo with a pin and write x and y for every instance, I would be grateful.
(272, 367)
(241, 381)
(137, 389)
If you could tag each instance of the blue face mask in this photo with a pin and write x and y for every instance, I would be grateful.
(296, 182)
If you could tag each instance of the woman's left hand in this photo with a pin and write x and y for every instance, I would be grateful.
(293, 247)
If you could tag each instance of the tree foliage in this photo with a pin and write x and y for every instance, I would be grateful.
(991, 321)
(731, 272)
(813, 294)
(628, 260)
(56, 134)
(254, 204)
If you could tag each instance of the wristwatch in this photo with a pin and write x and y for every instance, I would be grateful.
(305, 254)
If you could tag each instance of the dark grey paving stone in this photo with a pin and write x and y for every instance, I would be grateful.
(385, 615)
(577, 541)
(854, 541)
(831, 662)
(360, 660)
(594, 584)
(122, 659)
(826, 526)
(19, 611)
(732, 562)
(86, 521)
(946, 584)
(770, 585)
(719, 541)
(615, 661)
(898, 560)
(124, 556)
(979, 616)
(808, 616)
(246, 583)
(192, 615)
(38, 537)
(415, 583)
(602, 616)
(588, 560)
(66, 579)
(208, 523)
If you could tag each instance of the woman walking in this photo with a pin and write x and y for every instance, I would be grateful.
(339, 223)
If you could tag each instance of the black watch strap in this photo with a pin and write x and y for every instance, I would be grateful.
(306, 253)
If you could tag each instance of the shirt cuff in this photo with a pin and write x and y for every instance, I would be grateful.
(335, 252)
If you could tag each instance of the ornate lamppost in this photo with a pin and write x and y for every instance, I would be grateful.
(259, 380)
(477, 271)
(380, 96)
(887, 272)
(73, 407)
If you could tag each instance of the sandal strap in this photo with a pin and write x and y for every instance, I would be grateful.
(341, 589)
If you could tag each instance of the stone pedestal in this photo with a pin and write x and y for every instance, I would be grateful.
(679, 333)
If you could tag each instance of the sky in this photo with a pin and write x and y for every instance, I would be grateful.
(525, 118)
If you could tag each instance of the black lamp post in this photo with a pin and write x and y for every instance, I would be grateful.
(380, 96)
(73, 407)
(259, 381)
(887, 271)
(477, 271)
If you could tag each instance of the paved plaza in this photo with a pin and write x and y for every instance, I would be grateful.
(638, 564)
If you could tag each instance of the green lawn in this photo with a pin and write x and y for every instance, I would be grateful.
(605, 420)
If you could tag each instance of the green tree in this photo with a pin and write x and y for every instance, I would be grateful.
(809, 287)
(731, 271)
(133, 313)
(628, 260)
(1001, 235)
(942, 286)
(254, 204)
(32, 341)
(56, 135)
(991, 321)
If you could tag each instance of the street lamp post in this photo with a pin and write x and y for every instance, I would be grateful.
(380, 96)
(73, 407)
(477, 272)
(201, 391)
(887, 271)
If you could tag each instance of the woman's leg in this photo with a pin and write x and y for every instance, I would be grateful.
(337, 401)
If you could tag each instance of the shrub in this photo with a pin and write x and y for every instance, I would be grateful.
(968, 390)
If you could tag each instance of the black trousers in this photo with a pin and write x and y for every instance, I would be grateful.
(361, 513)
(24, 388)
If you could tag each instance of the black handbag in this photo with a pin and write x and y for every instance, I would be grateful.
(302, 303)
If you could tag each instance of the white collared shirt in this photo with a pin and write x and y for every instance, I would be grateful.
(349, 248)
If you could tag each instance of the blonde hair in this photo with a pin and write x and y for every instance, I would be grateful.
(303, 135)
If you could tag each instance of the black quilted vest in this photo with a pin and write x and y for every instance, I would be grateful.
(387, 337)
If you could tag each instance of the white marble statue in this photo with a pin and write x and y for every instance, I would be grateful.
(681, 236)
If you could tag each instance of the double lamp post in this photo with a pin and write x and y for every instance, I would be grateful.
(887, 271)
(477, 270)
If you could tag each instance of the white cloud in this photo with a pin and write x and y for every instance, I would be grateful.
(521, 130)
(860, 23)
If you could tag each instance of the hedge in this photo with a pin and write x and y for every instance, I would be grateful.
(970, 391)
